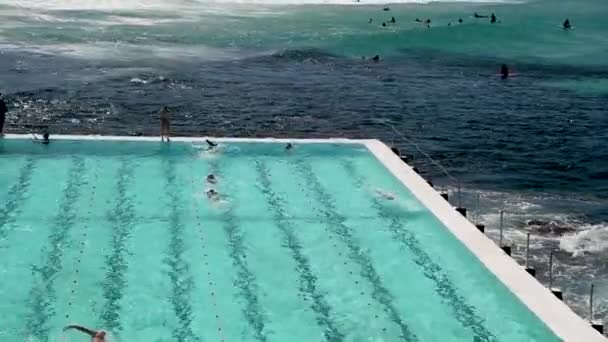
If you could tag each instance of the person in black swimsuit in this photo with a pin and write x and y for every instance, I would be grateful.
(504, 72)
(165, 124)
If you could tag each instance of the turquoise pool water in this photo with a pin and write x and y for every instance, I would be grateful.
(300, 246)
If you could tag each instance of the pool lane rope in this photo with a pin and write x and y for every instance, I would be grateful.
(74, 285)
(245, 281)
(42, 295)
(334, 223)
(206, 267)
(308, 281)
(464, 312)
(179, 268)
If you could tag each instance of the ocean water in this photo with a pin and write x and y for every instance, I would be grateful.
(532, 145)
(300, 246)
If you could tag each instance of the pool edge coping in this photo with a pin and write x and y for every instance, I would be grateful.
(194, 139)
(555, 314)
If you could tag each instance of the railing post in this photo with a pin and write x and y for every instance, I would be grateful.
(479, 226)
(557, 292)
(505, 248)
(595, 325)
(529, 268)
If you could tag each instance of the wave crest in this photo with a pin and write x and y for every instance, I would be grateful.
(591, 239)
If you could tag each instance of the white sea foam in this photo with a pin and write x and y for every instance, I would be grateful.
(173, 4)
(138, 80)
(590, 239)
(128, 52)
(555, 215)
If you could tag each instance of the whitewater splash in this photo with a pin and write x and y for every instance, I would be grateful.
(591, 239)
(174, 4)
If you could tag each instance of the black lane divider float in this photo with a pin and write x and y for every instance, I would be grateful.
(121, 219)
(308, 281)
(42, 295)
(206, 268)
(15, 197)
(463, 312)
(73, 285)
(335, 224)
(179, 270)
(246, 280)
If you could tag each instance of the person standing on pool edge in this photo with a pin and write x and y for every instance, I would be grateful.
(3, 111)
(165, 124)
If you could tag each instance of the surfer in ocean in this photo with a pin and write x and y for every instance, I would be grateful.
(504, 72)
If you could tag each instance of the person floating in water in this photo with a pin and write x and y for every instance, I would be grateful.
(428, 23)
(383, 24)
(211, 179)
(477, 15)
(387, 195)
(504, 72)
(418, 20)
(3, 111)
(97, 336)
(393, 20)
(567, 25)
(493, 19)
(165, 124)
(211, 144)
(376, 58)
(386, 8)
(288, 147)
(460, 20)
(370, 21)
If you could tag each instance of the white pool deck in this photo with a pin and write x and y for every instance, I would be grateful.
(564, 323)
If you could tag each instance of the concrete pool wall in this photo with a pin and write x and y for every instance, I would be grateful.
(564, 323)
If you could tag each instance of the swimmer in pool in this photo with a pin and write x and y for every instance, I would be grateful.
(288, 147)
(45, 139)
(211, 179)
(385, 194)
(211, 144)
(213, 195)
(97, 336)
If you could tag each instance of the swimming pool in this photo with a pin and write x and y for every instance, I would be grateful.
(320, 243)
